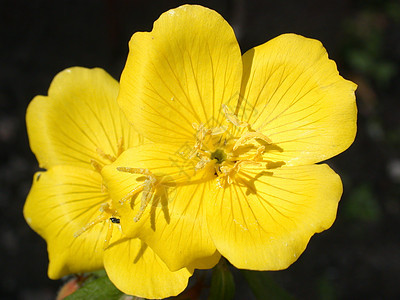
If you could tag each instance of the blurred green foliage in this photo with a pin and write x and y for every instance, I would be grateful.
(362, 205)
(365, 34)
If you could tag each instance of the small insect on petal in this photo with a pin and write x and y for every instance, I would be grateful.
(115, 220)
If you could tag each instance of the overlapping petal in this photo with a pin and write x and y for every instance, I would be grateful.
(174, 223)
(293, 93)
(62, 200)
(78, 120)
(265, 219)
(135, 269)
(180, 73)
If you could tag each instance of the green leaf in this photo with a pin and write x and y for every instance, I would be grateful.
(222, 283)
(101, 289)
(264, 286)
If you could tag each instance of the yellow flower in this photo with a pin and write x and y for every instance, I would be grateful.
(232, 169)
(74, 132)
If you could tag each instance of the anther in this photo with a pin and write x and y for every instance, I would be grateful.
(201, 133)
(249, 136)
(91, 224)
(96, 165)
(133, 192)
(260, 152)
(147, 188)
(202, 163)
(231, 117)
(105, 156)
(134, 170)
(120, 146)
(106, 213)
(229, 173)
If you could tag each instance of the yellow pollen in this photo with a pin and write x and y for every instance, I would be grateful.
(201, 134)
(260, 152)
(202, 163)
(229, 173)
(133, 192)
(147, 188)
(106, 212)
(219, 146)
(96, 165)
(249, 136)
(106, 156)
(121, 147)
(134, 170)
(231, 117)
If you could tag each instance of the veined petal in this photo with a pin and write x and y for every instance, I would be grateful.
(173, 224)
(180, 73)
(62, 200)
(264, 220)
(136, 270)
(294, 94)
(182, 226)
(79, 116)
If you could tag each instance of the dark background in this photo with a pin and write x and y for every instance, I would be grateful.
(359, 257)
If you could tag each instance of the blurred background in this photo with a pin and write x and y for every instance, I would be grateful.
(359, 257)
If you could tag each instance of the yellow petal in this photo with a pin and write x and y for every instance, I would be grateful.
(63, 200)
(264, 220)
(136, 270)
(173, 224)
(180, 73)
(182, 226)
(294, 94)
(79, 116)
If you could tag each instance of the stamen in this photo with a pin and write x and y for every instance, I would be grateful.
(249, 136)
(260, 152)
(229, 173)
(147, 189)
(201, 134)
(105, 156)
(231, 117)
(96, 221)
(108, 236)
(218, 130)
(120, 146)
(202, 163)
(106, 214)
(134, 170)
(96, 165)
(136, 190)
(106, 211)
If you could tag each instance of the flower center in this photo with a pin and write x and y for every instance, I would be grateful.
(219, 155)
(228, 147)
(219, 150)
